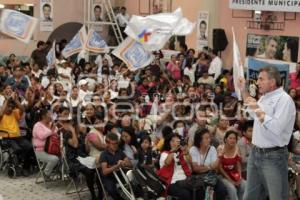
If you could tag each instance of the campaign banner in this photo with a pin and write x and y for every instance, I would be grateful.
(202, 30)
(46, 15)
(17, 25)
(97, 11)
(238, 69)
(266, 5)
(254, 65)
(97, 14)
(51, 56)
(133, 54)
(153, 31)
(272, 47)
(76, 44)
(95, 43)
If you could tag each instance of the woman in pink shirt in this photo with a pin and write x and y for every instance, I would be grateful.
(174, 68)
(295, 79)
(41, 131)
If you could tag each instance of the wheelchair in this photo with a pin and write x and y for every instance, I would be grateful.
(9, 162)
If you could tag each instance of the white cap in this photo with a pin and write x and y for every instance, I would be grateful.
(82, 82)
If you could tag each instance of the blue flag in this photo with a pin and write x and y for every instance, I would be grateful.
(17, 25)
(76, 44)
(96, 43)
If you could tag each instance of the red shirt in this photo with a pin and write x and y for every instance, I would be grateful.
(230, 166)
(294, 82)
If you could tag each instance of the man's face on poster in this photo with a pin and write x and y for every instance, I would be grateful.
(47, 11)
(271, 49)
(97, 12)
(202, 29)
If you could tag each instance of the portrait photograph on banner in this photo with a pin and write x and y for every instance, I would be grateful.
(161, 6)
(283, 48)
(98, 14)
(46, 15)
(97, 11)
(202, 30)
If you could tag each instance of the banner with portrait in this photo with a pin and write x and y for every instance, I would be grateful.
(202, 30)
(254, 65)
(97, 15)
(161, 6)
(46, 15)
(283, 48)
(97, 11)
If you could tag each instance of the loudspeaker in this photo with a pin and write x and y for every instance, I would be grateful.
(219, 39)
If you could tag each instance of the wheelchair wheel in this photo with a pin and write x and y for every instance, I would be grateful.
(11, 172)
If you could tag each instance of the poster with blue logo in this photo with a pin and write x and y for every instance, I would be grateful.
(95, 43)
(133, 54)
(17, 25)
(76, 44)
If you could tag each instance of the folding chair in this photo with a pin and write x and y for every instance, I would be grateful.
(55, 176)
(126, 187)
(65, 174)
(101, 183)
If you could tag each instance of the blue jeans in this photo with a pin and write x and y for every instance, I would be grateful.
(235, 193)
(267, 175)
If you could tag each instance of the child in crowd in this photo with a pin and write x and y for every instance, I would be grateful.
(145, 153)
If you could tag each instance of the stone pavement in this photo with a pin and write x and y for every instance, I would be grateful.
(25, 188)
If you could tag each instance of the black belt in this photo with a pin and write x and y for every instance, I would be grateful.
(266, 150)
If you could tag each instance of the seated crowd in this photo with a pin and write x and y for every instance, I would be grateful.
(180, 116)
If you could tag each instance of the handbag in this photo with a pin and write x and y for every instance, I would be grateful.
(210, 178)
(52, 145)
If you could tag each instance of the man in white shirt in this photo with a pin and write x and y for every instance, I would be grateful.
(215, 67)
(122, 19)
(65, 74)
(84, 94)
(274, 116)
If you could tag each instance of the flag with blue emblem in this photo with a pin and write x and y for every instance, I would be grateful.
(76, 44)
(154, 31)
(133, 54)
(95, 43)
(17, 25)
(51, 57)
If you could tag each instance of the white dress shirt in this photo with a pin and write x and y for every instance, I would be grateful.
(190, 72)
(215, 67)
(277, 127)
(122, 19)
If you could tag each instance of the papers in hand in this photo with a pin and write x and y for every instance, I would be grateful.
(89, 162)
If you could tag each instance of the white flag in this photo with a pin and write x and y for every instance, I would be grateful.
(153, 31)
(184, 27)
(17, 25)
(133, 54)
(51, 56)
(96, 43)
(238, 69)
(76, 44)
